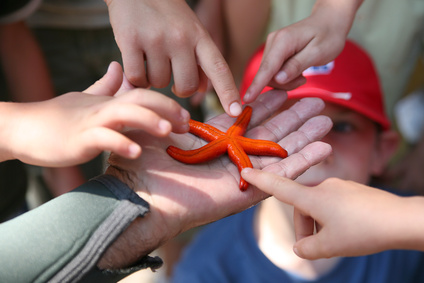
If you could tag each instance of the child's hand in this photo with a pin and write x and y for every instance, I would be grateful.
(168, 38)
(313, 41)
(351, 219)
(76, 127)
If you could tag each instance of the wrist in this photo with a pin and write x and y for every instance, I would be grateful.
(410, 224)
(141, 237)
(8, 128)
(342, 13)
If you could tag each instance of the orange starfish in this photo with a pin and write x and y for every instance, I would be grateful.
(233, 142)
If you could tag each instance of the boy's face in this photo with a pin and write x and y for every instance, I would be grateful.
(359, 149)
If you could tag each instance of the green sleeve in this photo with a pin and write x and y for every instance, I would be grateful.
(62, 240)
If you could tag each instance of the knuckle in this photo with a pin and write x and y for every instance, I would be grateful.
(186, 89)
(138, 80)
(270, 37)
(158, 80)
(266, 66)
(324, 249)
(315, 52)
(221, 67)
(154, 38)
(295, 66)
(283, 35)
(178, 38)
(330, 181)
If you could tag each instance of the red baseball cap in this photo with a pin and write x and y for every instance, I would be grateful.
(351, 80)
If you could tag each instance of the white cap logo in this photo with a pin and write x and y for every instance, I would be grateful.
(342, 95)
(319, 70)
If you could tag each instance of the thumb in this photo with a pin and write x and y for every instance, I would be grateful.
(110, 83)
(310, 248)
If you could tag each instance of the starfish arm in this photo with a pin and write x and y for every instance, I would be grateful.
(232, 142)
(205, 131)
(241, 160)
(240, 126)
(205, 153)
(261, 147)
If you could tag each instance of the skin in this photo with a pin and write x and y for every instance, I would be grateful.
(371, 154)
(313, 41)
(184, 196)
(231, 142)
(170, 39)
(180, 196)
(28, 80)
(341, 209)
(353, 217)
(76, 127)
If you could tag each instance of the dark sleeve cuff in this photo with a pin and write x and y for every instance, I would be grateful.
(97, 275)
(63, 240)
(83, 267)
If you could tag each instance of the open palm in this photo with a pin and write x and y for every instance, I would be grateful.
(182, 196)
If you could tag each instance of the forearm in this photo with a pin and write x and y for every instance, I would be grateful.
(8, 119)
(20, 127)
(141, 237)
(64, 239)
(409, 225)
(342, 13)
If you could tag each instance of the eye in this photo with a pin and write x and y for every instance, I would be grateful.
(342, 127)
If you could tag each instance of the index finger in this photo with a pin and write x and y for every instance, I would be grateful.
(282, 188)
(216, 69)
(274, 55)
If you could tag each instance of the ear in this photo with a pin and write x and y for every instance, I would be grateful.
(387, 144)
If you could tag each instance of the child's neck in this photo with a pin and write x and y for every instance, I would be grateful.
(274, 232)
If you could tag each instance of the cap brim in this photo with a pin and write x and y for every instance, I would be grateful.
(339, 98)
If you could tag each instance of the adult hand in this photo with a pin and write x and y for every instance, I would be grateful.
(313, 41)
(75, 127)
(351, 219)
(158, 38)
(183, 196)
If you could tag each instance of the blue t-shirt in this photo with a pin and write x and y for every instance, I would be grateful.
(226, 251)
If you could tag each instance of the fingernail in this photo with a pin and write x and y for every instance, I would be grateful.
(108, 68)
(246, 170)
(235, 109)
(247, 96)
(281, 77)
(297, 251)
(185, 115)
(164, 126)
(134, 150)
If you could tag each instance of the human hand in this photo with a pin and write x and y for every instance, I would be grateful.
(183, 196)
(159, 38)
(75, 127)
(314, 41)
(351, 219)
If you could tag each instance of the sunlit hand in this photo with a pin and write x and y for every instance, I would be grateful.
(351, 219)
(75, 127)
(183, 196)
(314, 41)
(160, 38)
